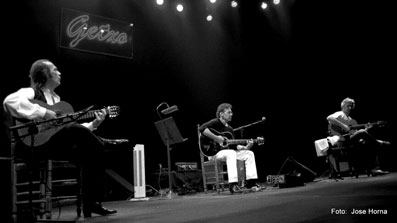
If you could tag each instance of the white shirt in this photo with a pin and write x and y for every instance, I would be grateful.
(18, 104)
(345, 119)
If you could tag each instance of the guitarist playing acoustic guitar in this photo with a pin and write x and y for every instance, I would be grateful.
(74, 142)
(211, 130)
(350, 132)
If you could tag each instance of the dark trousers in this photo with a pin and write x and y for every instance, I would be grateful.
(366, 150)
(78, 144)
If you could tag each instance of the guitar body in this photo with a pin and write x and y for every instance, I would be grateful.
(210, 148)
(338, 130)
(39, 131)
(45, 130)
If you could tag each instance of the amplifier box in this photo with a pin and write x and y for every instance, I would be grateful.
(284, 180)
(275, 179)
(186, 166)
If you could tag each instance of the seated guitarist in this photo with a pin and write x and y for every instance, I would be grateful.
(343, 125)
(212, 130)
(75, 142)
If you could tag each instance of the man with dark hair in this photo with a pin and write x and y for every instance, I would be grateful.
(219, 130)
(74, 142)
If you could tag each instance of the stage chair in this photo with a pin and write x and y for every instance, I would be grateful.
(36, 187)
(31, 180)
(356, 159)
(64, 186)
(336, 154)
(215, 174)
(28, 195)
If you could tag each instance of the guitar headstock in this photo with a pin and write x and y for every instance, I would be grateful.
(381, 123)
(260, 140)
(113, 111)
(376, 124)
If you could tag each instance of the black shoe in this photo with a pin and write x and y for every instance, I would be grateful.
(257, 188)
(97, 208)
(378, 172)
(234, 188)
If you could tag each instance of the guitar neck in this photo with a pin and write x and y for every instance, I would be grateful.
(238, 141)
(336, 129)
(82, 115)
(360, 126)
(88, 115)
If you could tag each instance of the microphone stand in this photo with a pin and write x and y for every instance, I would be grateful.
(249, 125)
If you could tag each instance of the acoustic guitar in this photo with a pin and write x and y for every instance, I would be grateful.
(338, 130)
(209, 147)
(38, 131)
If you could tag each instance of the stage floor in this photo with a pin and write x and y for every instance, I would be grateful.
(323, 200)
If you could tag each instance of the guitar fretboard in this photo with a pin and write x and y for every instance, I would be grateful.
(240, 141)
(88, 115)
(237, 141)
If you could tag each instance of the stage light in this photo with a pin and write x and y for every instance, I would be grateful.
(179, 7)
(209, 18)
(169, 110)
(234, 4)
(276, 2)
(264, 5)
(160, 2)
(212, 1)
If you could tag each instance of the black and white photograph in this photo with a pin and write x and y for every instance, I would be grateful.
(174, 111)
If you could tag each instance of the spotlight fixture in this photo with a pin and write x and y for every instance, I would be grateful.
(168, 110)
(179, 7)
(263, 5)
(234, 4)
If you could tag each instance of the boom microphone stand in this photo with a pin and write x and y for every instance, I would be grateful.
(249, 125)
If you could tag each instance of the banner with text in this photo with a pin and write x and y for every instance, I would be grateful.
(97, 34)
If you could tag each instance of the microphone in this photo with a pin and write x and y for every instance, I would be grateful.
(169, 110)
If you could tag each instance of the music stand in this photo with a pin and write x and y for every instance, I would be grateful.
(170, 135)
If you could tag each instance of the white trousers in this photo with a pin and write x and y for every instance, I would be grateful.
(231, 157)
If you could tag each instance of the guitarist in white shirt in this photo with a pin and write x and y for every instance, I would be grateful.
(75, 142)
(212, 130)
(341, 124)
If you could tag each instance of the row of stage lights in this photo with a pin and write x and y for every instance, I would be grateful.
(233, 3)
